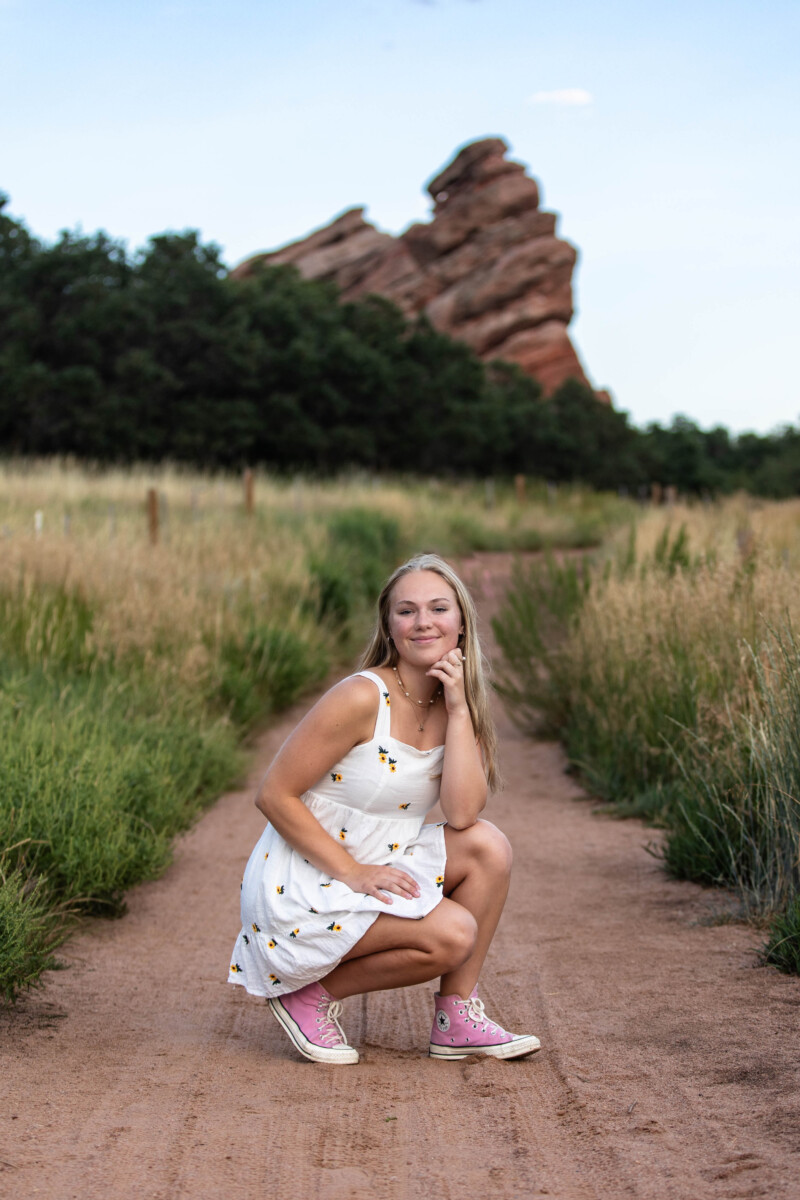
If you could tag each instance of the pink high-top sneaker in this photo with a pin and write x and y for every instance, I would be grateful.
(461, 1027)
(310, 1017)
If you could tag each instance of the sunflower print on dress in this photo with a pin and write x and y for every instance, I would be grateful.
(334, 928)
(386, 699)
(342, 835)
(256, 928)
(280, 889)
(404, 806)
(237, 970)
(336, 776)
(245, 939)
(273, 979)
(394, 845)
(294, 933)
(393, 765)
(382, 754)
(440, 881)
(272, 943)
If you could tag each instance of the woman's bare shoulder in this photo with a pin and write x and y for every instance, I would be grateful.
(342, 718)
(350, 702)
(355, 689)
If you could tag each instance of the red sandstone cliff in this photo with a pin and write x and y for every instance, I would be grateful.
(488, 268)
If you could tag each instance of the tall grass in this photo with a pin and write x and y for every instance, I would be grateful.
(738, 820)
(669, 667)
(130, 673)
(101, 766)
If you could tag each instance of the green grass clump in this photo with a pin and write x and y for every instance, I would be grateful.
(678, 699)
(47, 626)
(95, 781)
(783, 948)
(622, 657)
(360, 549)
(30, 931)
(738, 821)
(263, 668)
(102, 765)
(538, 613)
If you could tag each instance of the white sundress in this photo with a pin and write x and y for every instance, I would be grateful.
(297, 922)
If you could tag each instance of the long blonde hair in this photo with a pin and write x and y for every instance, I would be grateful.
(381, 652)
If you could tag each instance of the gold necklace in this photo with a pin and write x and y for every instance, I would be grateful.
(417, 703)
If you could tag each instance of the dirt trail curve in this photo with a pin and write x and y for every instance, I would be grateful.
(670, 1064)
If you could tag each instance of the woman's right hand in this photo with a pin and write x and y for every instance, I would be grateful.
(378, 880)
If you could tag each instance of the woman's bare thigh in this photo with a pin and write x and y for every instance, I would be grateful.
(394, 933)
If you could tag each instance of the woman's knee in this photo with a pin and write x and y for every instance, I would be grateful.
(457, 937)
(492, 848)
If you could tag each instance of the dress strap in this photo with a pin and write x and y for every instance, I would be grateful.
(383, 723)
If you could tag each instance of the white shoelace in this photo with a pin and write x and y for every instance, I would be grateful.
(330, 1031)
(476, 1012)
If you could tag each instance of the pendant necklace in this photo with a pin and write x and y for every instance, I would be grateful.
(417, 703)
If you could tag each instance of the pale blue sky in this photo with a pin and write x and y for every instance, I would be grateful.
(255, 121)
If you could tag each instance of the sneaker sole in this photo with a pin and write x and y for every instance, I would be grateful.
(519, 1048)
(339, 1055)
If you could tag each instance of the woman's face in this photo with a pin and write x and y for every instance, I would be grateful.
(424, 618)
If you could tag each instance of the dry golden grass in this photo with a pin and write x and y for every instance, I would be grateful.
(728, 530)
(667, 641)
(171, 603)
(740, 577)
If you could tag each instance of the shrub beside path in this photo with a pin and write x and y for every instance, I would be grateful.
(670, 1065)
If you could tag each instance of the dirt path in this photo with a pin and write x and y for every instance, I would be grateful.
(670, 1067)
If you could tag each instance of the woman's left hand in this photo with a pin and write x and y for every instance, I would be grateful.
(449, 670)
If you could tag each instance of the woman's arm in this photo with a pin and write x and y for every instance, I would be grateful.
(344, 717)
(463, 789)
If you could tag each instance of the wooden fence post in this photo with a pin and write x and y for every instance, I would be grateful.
(519, 488)
(152, 515)
(745, 541)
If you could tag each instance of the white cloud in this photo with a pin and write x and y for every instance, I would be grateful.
(565, 96)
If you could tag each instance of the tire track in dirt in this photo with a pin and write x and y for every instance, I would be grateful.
(670, 1067)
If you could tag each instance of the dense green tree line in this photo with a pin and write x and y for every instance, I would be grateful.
(119, 357)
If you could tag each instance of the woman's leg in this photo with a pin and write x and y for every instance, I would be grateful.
(478, 868)
(452, 940)
(476, 877)
(397, 951)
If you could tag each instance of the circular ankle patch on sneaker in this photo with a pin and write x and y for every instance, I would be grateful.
(442, 1021)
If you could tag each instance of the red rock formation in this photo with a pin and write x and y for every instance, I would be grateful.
(488, 269)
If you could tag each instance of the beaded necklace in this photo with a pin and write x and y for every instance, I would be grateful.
(417, 703)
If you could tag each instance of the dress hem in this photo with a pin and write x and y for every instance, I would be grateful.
(330, 966)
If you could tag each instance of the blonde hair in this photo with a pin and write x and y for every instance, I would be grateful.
(381, 652)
